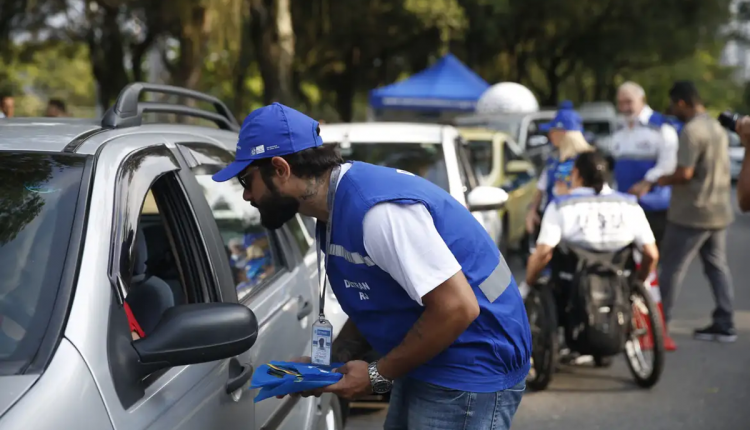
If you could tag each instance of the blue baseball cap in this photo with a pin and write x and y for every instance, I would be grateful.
(271, 131)
(566, 119)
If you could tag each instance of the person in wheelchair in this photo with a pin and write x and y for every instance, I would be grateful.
(593, 217)
(586, 244)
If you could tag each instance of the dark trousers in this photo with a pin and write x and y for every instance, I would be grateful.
(658, 222)
(681, 243)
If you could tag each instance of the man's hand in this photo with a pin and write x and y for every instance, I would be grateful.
(532, 220)
(743, 130)
(303, 360)
(355, 382)
(640, 189)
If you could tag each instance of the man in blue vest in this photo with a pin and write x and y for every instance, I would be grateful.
(644, 150)
(421, 281)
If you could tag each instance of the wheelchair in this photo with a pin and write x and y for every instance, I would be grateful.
(547, 303)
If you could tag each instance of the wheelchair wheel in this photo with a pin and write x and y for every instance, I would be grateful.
(644, 347)
(542, 313)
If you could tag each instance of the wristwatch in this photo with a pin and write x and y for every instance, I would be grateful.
(380, 385)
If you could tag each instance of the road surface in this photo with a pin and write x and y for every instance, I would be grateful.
(704, 385)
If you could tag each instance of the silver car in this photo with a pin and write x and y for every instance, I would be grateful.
(135, 292)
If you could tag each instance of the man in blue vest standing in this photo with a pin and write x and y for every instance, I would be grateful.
(644, 150)
(421, 281)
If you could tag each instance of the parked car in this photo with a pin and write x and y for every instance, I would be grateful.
(113, 231)
(499, 162)
(524, 128)
(736, 155)
(432, 151)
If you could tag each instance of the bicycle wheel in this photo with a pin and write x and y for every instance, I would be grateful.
(644, 347)
(540, 308)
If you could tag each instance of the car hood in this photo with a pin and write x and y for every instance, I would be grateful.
(14, 387)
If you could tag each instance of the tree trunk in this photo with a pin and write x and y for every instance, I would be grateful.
(273, 36)
(346, 85)
(244, 60)
(553, 83)
(106, 52)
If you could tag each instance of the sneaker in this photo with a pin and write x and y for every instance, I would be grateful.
(716, 333)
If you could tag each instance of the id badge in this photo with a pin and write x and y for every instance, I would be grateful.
(322, 339)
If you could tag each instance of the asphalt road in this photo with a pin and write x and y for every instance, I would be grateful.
(704, 385)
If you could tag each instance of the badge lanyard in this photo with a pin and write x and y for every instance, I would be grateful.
(322, 330)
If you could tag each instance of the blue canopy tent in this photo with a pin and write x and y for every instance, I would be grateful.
(447, 85)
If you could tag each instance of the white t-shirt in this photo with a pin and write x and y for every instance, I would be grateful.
(403, 241)
(598, 223)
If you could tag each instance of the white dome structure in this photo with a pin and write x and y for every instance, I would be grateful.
(507, 97)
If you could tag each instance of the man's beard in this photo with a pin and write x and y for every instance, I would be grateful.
(276, 209)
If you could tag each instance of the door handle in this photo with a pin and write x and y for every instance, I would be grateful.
(243, 374)
(305, 308)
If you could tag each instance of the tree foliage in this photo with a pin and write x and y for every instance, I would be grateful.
(325, 55)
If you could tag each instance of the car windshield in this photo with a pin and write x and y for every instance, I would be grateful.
(597, 128)
(423, 159)
(480, 156)
(38, 198)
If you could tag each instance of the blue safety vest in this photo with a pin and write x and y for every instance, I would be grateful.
(493, 353)
(557, 171)
(631, 169)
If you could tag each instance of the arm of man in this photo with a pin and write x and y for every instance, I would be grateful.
(645, 241)
(743, 182)
(688, 152)
(403, 241)
(550, 235)
(666, 161)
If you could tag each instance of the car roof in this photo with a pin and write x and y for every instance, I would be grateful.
(479, 133)
(383, 132)
(43, 134)
(85, 136)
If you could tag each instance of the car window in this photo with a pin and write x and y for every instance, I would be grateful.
(424, 159)
(38, 197)
(480, 156)
(300, 233)
(254, 254)
(534, 136)
(597, 128)
(510, 155)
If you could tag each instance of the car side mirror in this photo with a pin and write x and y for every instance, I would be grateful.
(486, 198)
(517, 167)
(197, 333)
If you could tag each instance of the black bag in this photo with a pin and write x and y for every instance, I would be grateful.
(596, 306)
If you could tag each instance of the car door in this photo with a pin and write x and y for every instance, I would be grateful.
(490, 219)
(267, 277)
(129, 170)
(303, 231)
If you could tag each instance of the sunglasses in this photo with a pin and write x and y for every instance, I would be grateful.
(245, 179)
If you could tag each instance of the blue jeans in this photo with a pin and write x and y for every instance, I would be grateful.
(417, 405)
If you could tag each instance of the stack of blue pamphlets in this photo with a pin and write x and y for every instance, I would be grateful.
(279, 378)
